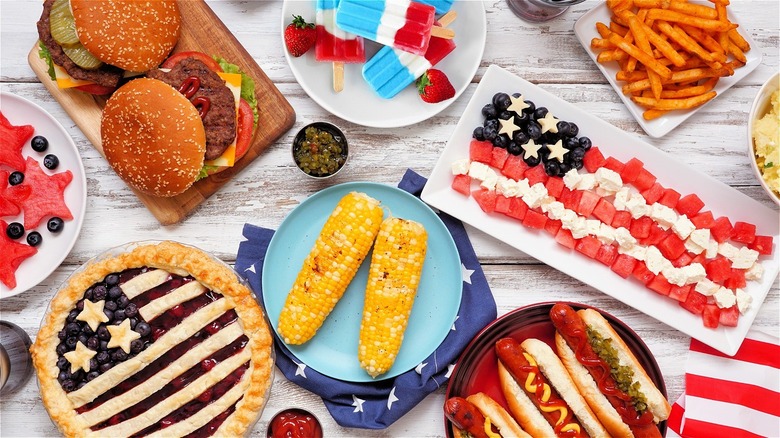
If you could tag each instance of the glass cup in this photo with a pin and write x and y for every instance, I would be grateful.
(537, 11)
(15, 361)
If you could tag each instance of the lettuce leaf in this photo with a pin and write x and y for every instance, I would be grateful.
(44, 53)
(204, 171)
(247, 85)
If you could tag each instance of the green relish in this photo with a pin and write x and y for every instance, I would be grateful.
(320, 152)
(622, 374)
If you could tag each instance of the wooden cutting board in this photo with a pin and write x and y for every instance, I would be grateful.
(201, 30)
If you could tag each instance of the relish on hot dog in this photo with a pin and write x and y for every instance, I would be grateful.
(479, 416)
(540, 393)
(609, 376)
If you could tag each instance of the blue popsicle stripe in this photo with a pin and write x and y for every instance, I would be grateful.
(385, 73)
(442, 6)
(361, 17)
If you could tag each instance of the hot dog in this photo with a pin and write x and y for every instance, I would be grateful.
(624, 399)
(540, 393)
(479, 416)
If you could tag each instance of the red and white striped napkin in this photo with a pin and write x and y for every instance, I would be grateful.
(728, 396)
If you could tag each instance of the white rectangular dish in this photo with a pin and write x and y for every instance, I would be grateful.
(718, 197)
(585, 29)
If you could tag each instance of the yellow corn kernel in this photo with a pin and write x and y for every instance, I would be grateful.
(399, 254)
(341, 247)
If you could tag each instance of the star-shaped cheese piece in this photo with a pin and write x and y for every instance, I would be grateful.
(518, 104)
(549, 123)
(508, 126)
(93, 314)
(557, 151)
(80, 357)
(531, 149)
(122, 335)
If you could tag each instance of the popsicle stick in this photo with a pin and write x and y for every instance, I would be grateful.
(441, 32)
(338, 76)
(447, 18)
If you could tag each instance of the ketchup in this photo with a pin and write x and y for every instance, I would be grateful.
(294, 423)
(188, 88)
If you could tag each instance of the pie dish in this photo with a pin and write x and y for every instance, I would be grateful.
(155, 338)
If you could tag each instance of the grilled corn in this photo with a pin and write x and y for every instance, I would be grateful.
(342, 245)
(399, 253)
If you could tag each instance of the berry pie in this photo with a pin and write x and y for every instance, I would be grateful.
(159, 340)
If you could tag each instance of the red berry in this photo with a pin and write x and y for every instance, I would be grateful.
(434, 86)
(299, 36)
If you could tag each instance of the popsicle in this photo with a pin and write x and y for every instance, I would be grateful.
(335, 45)
(442, 6)
(402, 24)
(391, 70)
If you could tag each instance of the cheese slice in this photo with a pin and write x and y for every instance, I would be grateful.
(64, 80)
(228, 158)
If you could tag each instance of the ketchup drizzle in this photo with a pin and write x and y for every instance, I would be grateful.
(188, 88)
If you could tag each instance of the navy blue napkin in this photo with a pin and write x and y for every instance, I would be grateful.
(376, 405)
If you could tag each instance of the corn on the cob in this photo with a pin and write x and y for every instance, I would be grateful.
(341, 247)
(399, 253)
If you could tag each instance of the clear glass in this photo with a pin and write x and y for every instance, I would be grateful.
(15, 361)
(538, 11)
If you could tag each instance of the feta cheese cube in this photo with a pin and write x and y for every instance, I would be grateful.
(593, 226)
(755, 272)
(743, 301)
(478, 170)
(490, 180)
(655, 261)
(587, 182)
(534, 196)
(728, 250)
(608, 180)
(606, 234)
(621, 198)
(637, 206)
(725, 298)
(712, 249)
(571, 178)
(744, 258)
(638, 252)
(568, 218)
(664, 216)
(624, 238)
(555, 210)
(683, 227)
(579, 228)
(460, 167)
(691, 246)
(674, 275)
(506, 186)
(701, 237)
(706, 287)
(694, 273)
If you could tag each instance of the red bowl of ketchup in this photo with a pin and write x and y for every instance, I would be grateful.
(294, 423)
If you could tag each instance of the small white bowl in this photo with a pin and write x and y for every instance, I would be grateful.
(761, 106)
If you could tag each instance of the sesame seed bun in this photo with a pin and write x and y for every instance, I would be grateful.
(153, 137)
(134, 35)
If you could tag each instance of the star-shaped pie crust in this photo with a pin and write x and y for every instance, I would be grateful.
(557, 151)
(80, 357)
(93, 314)
(47, 197)
(518, 104)
(12, 254)
(508, 126)
(549, 123)
(122, 335)
(13, 138)
(531, 149)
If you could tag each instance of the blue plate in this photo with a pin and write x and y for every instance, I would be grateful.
(333, 350)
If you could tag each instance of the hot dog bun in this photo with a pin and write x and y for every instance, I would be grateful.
(478, 412)
(506, 425)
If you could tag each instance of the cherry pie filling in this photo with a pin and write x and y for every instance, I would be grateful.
(117, 309)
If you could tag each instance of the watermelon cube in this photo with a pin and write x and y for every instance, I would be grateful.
(593, 160)
(641, 273)
(486, 199)
(481, 151)
(657, 235)
(644, 181)
(462, 184)
(555, 187)
(613, 163)
(536, 174)
(729, 317)
(660, 285)
(517, 208)
(694, 303)
(589, 246)
(736, 280)
(680, 293)
(700, 259)
(653, 194)
(631, 170)
(718, 269)
(743, 232)
(607, 254)
(499, 158)
(534, 219)
(640, 228)
(711, 316)
(762, 244)
(514, 167)
(689, 205)
(622, 219)
(604, 211)
(624, 265)
(565, 238)
(672, 246)
(703, 220)
(502, 204)
(552, 226)
(670, 198)
(721, 229)
(570, 198)
(587, 204)
(683, 260)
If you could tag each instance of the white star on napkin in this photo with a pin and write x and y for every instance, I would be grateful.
(465, 273)
(557, 151)
(508, 126)
(450, 367)
(93, 314)
(518, 104)
(80, 357)
(391, 399)
(453, 323)
(418, 369)
(357, 403)
(548, 123)
(301, 371)
(122, 335)
(531, 149)
(251, 269)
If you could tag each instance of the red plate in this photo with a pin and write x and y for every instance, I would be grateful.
(476, 370)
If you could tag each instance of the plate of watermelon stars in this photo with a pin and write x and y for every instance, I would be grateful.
(43, 194)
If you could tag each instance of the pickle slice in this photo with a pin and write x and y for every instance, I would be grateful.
(82, 57)
(62, 24)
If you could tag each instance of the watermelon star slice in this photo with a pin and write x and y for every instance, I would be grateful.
(11, 198)
(12, 140)
(12, 254)
(47, 195)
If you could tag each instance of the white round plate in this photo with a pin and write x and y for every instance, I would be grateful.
(358, 103)
(54, 247)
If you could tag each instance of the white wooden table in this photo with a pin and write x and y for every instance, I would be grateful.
(712, 141)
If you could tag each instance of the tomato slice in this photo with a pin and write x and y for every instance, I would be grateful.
(99, 90)
(245, 128)
(200, 56)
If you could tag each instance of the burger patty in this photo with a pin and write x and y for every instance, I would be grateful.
(106, 75)
(220, 120)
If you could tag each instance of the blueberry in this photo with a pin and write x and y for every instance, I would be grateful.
(501, 141)
(93, 343)
(88, 293)
(111, 280)
(573, 129)
(119, 355)
(490, 133)
(63, 375)
(103, 345)
(55, 224)
(39, 143)
(63, 363)
(114, 292)
(110, 305)
(119, 315)
(72, 315)
(103, 333)
(73, 328)
(106, 366)
(103, 357)
(531, 160)
(531, 107)
(571, 144)
(99, 293)
(14, 230)
(80, 305)
(520, 137)
(62, 348)
(92, 375)
(478, 134)
(51, 161)
(563, 128)
(143, 328)
(501, 101)
(489, 111)
(136, 346)
(565, 167)
(490, 124)
(540, 112)
(522, 119)
(585, 143)
(62, 334)
(577, 153)
(505, 115)
(93, 364)
(552, 168)
(68, 385)
(71, 342)
(133, 321)
(122, 301)
(82, 338)
(109, 314)
(514, 148)
(34, 238)
(516, 95)
(15, 178)
(534, 130)
(131, 310)
(81, 385)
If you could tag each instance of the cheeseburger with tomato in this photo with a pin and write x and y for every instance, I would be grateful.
(91, 45)
(193, 117)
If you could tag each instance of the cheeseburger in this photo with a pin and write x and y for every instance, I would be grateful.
(91, 44)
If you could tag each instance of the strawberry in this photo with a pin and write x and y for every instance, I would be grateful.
(434, 86)
(299, 36)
